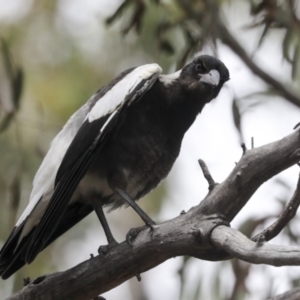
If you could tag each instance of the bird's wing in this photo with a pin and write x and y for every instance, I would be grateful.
(104, 112)
(104, 116)
(44, 179)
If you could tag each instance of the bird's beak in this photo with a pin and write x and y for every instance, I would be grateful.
(212, 78)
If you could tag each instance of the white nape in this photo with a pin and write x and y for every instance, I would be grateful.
(169, 78)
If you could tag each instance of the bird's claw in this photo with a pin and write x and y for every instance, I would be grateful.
(104, 250)
(133, 232)
(151, 225)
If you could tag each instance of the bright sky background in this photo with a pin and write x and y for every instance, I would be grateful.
(212, 138)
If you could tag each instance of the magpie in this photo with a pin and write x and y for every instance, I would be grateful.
(114, 150)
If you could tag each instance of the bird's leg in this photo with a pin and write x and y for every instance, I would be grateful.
(110, 239)
(148, 221)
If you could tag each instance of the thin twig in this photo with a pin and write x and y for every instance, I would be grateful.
(289, 212)
(244, 148)
(228, 39)
(207, 175)
(296, 126)
(252, 142)
(26, 281)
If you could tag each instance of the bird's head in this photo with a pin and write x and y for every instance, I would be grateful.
(204, 76)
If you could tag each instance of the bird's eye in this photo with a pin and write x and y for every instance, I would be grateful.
(200, 68)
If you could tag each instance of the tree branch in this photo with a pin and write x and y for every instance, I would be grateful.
(98, 275)
(207, 175)
(289, 212)
(254, 168)
(239, 246)
(187, 234)
(229, 40)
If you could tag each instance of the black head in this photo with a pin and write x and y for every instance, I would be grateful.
(204, 76)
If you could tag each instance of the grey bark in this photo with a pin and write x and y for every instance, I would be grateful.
(239, 246)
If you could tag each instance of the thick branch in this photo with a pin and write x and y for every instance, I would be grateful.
(255, 167)
(187, 234)
(98, 275)
(239, 246)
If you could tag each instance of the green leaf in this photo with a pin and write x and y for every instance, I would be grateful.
(6, 121)
(118, 12)
(286, 45)
(236, 115)
(295, 62)
(15, 195)
(18, 86)
(263, 35)
(7, 59)
(13, 81)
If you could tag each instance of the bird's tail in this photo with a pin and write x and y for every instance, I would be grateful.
(10, 254)
(14, 253)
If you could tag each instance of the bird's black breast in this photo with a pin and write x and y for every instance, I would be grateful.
(142, 149)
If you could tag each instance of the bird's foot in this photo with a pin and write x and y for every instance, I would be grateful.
(133, 232)
(104, 250)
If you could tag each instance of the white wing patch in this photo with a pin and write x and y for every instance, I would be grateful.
(43, 182)
(116, 96)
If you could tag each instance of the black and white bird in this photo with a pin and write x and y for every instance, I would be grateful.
(114, 150)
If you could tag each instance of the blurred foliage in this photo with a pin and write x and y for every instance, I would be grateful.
(67, 52)
(279, 15)
(11, 82)
(199, 22)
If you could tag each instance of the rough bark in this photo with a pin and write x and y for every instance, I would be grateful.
(239, 246)
(202, 232)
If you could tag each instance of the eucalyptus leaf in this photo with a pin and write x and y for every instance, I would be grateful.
(118, 12)
(295, 62)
